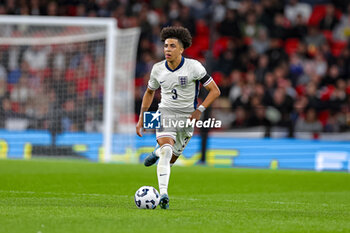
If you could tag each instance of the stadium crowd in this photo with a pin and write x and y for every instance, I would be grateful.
(277, 63)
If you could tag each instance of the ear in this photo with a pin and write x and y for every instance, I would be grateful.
(182, 49)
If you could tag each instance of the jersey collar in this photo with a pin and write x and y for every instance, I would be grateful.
(178, 67)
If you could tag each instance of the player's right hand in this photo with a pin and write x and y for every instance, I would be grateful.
(139, 128)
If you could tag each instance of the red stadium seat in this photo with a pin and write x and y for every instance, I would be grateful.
(9, 87)
(323, 117)
(193, 52)
(69, 75)
(337, 47)
(291, 45)
(201, 28)
(15, 106)
(220, 45)
(327, 93)
(217, 76)
(328, 34)
(247, 40)
(300, 89)
(202, 42)
(318, 12)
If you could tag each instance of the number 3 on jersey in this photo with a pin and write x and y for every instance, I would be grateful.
(174, 93)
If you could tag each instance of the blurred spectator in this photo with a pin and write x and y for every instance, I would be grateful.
(296, 68)
(250, 27)
(295, 8)
(276, 53)
(338, 96)
(312, 96)
(54, 114)
(258, 117)
(230, 25)
(73, 117)
(201, 8)
(5, 112)
(144, 66)
(342, 29)
(278, 30)
(270, 62)
(174, 10)
(3, 82)
(309, 123)
(236, 85)
(94, 102)
(11, 7)
(298, 29)
(219, 11)
(262, 68)
(37, 57)
(314, 39)
(222, 111)
(52, 8)
(239, 119)
(21, 92)
(186, 20)
(284, 104)
(226, 62)
(329, 21)
(261, 43)
(332, 76)
(320, 64)
(35, 8)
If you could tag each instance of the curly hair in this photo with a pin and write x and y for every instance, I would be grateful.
(180, 33)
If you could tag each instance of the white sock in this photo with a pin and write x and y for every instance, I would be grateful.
(163, 168)
(157, 150)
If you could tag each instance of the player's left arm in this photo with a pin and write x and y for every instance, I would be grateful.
(214, 92)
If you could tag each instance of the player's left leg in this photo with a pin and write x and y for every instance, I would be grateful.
(152, 158)
(173, 159)
(182, 139)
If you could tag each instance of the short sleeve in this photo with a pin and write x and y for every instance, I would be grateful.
(199, 71)
(201, 74)
(153, 83)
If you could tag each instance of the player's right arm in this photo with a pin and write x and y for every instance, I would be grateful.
(146, 103)
(147, 99)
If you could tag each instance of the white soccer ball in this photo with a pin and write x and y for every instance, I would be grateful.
(147, 197)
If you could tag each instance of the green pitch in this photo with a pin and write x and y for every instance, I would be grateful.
(74, 196)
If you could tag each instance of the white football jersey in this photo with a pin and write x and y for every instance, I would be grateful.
(179, 87)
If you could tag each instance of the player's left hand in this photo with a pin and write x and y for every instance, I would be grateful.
(196, 115)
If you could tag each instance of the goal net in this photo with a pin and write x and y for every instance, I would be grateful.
(72, 78)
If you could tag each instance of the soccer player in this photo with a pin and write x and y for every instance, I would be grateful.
(178, 78)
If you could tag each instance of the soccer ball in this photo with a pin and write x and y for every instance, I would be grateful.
(147, 197)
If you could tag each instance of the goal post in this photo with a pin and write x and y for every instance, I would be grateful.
(64, 75)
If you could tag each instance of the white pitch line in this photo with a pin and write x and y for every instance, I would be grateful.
(54, 193)
(176, 198)
(246, 201)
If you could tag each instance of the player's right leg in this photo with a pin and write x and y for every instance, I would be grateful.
(163, 169)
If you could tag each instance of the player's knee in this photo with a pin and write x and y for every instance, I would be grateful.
(166, 151)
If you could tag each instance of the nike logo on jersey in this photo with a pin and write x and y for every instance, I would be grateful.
(161, 82)
(162, 174)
